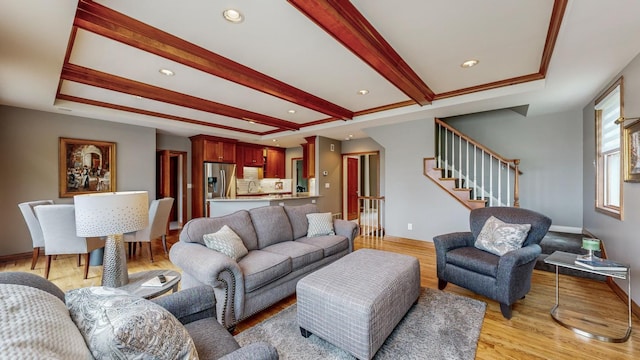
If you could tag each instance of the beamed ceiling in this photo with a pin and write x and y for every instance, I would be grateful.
(294, 68)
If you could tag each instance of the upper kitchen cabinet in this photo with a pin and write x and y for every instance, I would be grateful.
(219, 151)
(275, 166)
(253, 155)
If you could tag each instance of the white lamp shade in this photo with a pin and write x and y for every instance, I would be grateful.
(104, 214)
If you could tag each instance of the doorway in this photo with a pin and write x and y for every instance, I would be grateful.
(171, 181)
(361, 178)
(300, 183)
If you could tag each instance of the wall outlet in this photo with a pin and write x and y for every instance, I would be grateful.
(327, 185)
(313, 201)
(409, 226)
(189, 186)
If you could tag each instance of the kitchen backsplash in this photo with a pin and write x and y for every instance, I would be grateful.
(266, 186)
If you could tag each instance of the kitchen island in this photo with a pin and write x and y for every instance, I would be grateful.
(225, 206)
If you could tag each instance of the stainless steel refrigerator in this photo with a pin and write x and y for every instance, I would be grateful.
(218, 182)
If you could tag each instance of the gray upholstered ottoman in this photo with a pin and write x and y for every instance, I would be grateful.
(357, 301)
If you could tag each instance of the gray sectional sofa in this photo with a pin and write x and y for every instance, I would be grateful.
(280, 254)
(37, 325)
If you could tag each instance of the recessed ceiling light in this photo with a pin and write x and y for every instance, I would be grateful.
(233, 16)
(274, 140)
(166, 72)
(291, 111)
(350, 135)
(363, 92)
(137, 97)
(251, 122)
(469, 63)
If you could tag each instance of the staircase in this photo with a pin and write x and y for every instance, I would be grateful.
(473, 174)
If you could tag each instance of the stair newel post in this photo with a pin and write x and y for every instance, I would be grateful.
(516, 186)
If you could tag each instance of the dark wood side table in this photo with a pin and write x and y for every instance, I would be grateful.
(567, 260)
(137, 279)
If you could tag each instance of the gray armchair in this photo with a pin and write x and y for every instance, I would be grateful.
(505, 278)
(194, 308)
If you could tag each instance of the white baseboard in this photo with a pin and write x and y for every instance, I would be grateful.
(566, 229)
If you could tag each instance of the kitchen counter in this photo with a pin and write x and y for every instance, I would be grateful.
(225, 206)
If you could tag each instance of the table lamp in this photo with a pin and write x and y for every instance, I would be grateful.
(590, 245)
(111, 215)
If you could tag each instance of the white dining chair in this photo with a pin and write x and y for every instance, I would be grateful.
(159, 212)
(34, 226)
(58, 223)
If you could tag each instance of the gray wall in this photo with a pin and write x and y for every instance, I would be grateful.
(410, 197)
(331, 162)
(29, 162)
(550, 150)
(620, 237)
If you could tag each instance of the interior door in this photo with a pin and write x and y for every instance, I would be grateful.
(352, 188)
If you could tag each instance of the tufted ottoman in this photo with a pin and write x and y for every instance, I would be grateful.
(357, 301)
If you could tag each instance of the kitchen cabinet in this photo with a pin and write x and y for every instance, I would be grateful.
(219, 151)
(253, 156)
(204, 149)
(275, 166)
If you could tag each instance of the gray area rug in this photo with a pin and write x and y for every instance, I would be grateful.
(440, 326)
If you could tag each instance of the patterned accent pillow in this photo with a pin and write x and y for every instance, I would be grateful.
(498, 237)
(320, 224)
(36, 325)
(116, 324)
(226, 241)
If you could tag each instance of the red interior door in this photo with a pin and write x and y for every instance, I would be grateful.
(352, 188)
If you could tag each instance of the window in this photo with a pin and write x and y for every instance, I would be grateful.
(608, 110)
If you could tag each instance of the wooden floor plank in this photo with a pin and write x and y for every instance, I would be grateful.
(530, 334)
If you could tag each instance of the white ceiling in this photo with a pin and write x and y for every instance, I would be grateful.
(433, 37)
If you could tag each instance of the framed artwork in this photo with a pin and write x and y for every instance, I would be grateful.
(632, 152)
(86, 166)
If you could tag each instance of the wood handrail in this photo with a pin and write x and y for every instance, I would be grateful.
(371, 197)
(478, 145)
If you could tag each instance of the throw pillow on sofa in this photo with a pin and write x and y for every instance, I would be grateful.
(498, 237)
(116, 324)
(320, 224)
(226, 241)
(36, 325)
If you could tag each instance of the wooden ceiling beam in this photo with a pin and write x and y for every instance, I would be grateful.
(106, 22)
(345, 23)
(152, 113)
(103, 80)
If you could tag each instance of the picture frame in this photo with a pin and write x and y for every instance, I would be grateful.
(632, 152)
(86, 167)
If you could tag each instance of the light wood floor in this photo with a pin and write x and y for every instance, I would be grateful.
(530, 334)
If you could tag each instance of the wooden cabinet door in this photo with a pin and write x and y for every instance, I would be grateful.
(212, 151)
(275, 163)
(228, 152)
(253, 156)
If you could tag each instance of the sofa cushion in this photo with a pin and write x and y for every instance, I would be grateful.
(298, 218)
(212, 340)
(475, 260)
(227, 242)
(301, 254)
(116, 324)
(498, 237)
(271, 225)
(36, 325)
(239, 222)
(320, 224)
(262, 267)
(330, 244)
